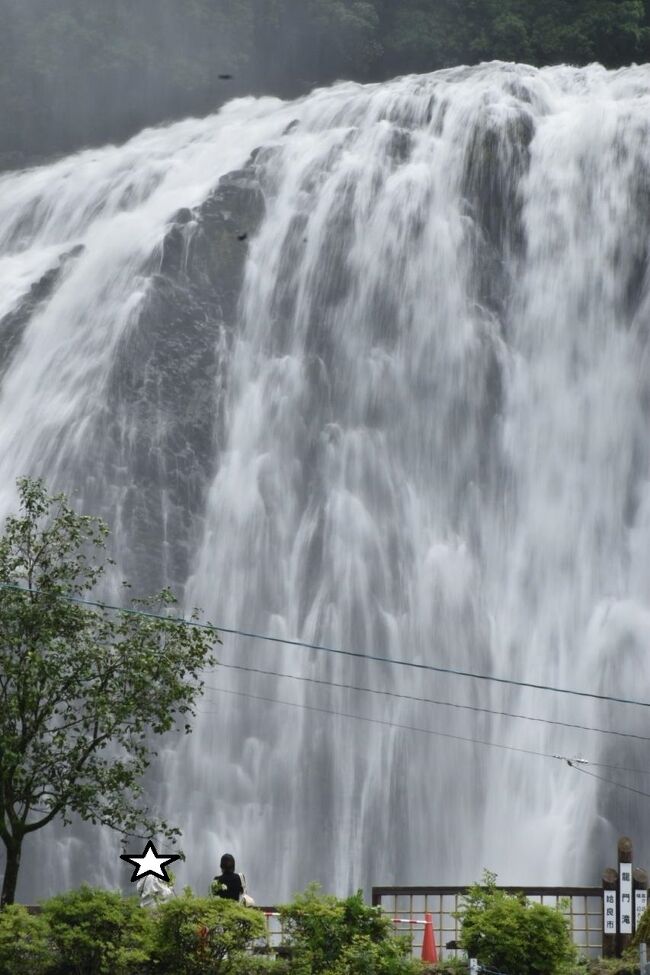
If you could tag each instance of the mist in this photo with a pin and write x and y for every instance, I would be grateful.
(79, 73)
(83, 72)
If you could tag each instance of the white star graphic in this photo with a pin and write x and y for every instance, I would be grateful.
(149, 863)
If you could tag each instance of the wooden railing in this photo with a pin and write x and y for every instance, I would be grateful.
(584, 908)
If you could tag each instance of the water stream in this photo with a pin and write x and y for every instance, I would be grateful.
(406, 415)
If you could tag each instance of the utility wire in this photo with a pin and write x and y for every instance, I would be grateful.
(384, 723)
(393, 661)
(404, 663)
(601, 778)
(255, 670)
(429, 731)
(446, 704)
(393, 694)
(621, 768)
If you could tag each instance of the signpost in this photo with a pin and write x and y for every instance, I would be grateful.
(610, 913)
(625, 893)
(625, 898)
(609, 920)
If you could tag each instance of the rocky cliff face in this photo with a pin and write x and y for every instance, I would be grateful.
(162, 426)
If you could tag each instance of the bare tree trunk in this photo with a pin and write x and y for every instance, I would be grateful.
(11, 872)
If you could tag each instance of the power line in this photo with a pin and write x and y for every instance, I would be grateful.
(618, 785)
(621, 768)
(381, 721)
(409, 697)
(429, 700)
(357, 654)
(394, 661)
(397, 662)
(430, 731)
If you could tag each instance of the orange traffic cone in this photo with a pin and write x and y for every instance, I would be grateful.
(429, 952)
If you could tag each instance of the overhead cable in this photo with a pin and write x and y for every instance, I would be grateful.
(357, 654)
(428, 700)
(383, 722)
(617, 785)
(574, 763)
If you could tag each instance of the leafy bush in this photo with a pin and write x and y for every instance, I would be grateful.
(258, 965)
(449, 966)
(642, 932)
(203, 935)
(628, 964)
(510, 934)
(24, 944)
(343, 937)
(99, 932)
(96, 932)
(366, 957)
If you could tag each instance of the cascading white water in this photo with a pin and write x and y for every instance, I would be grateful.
(426, 440)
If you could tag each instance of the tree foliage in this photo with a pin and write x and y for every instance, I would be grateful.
(25, 946)
(196, 935)
(439, 34)
(343, 937)
(82, 689)
(98, 932)
(508, 933)
(86, 71)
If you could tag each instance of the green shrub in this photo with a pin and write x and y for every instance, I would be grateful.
(203, 935)
(628, 964)
(343, 937)
(508, 933)
(366, 957)
(450, 966)
(258, 965)
(99, 932)
(24, 943)
(642, 932)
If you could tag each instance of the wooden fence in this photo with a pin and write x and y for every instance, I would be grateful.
(584, 908)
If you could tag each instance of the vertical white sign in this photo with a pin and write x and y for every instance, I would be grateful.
(625, 891)
(640, 904)
(609, 912)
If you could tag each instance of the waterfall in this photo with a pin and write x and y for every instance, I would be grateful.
(367, 370)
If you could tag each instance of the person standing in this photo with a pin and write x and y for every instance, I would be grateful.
(154, 891)
(228, 884)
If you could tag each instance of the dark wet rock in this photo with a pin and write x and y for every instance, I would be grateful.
(170, 379)
(13, 325)
(496, 161)
(400, 145)
(204, 249)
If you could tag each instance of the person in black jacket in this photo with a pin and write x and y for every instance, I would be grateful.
(229, 883)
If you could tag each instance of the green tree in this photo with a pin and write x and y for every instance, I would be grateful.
(343, 937)
(509, 933)
(201, 935)
(25, 947)
(422, 35)
(609, 31)
(99, 932)
(82, 689)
